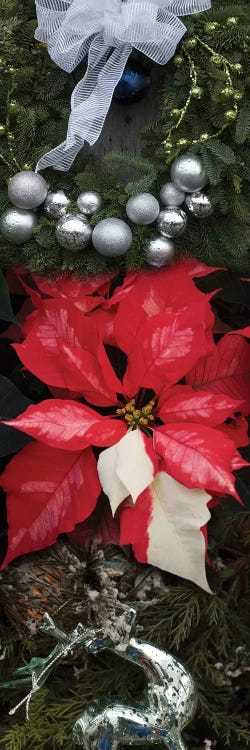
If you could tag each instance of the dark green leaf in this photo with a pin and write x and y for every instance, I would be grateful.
(12, 403)
(6, 312)
(242, 131)
(232, 288)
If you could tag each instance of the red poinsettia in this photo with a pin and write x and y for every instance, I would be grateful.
(150, 429)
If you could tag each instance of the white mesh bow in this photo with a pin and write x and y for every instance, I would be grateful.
(107, 30)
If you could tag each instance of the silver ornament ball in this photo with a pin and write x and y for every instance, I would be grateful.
(17, 225)
(199, 205)
(27, 190)
(187, 173)
(73, 232)
(89, 202)
(56, 204)
(159, 251)
(142, 209)
(112, 237)
(171, 222)
(170, 195)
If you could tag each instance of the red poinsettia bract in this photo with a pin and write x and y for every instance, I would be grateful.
(148, 425)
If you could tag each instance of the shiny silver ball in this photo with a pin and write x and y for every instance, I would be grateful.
(73, 232)
(17, 224)
(89, 202)
(27, 190)
(142, 208)
(170, 195)
(159, 251)
(112, 237)
(56, 204)
(188, 174)
(171, 222)
(199, 205)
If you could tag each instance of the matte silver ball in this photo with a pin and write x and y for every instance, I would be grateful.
(73, 232)
(171, 222)
(27, 190)
(142, 208)
(112, 237)
(199, 205)
(56, 204)
(17, 225)
(89, 202)
(188, 174)
(170, 195)
(159, 251)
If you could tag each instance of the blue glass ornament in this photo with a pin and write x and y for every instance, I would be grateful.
(133, 84)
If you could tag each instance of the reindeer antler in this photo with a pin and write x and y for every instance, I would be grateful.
(38, 669)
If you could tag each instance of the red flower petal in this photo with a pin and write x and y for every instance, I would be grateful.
(182, 403)
(72, 287)
(226, 370)
(165, 347)
(68, 425)
(47, 496)
(151, 293)
(61, 349)
(197, 456)
(196, 268)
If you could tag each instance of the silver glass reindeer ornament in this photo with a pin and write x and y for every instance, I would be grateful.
(168, 703)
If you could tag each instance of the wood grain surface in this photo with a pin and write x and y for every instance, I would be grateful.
(124, 125)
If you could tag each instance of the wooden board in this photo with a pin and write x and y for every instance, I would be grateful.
(122, 131)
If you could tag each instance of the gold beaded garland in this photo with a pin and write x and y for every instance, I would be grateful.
(178, 60)
(211, 26)
(237, 67)
(231, 114)
(183, 142)
(197, 92)
(191, 43)
(217, 60)
(227, 92)
(238, 95)
(232, 21)
(175, 112)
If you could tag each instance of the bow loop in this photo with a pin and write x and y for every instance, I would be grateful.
(106, 30)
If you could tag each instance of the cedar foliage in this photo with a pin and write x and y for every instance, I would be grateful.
(207, 84)
(209, 633)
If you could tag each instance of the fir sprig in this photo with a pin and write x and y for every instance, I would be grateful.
(205, 107)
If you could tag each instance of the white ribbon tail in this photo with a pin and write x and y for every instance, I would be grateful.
(90, 103)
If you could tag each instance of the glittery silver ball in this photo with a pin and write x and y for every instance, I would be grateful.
(142, 208)
(56, 204)
(159, 251)
(27, 189)
(112, 237)
(73, 232)
(89, 202)
(199, 205)
(171, 222)
(17, 225)
(188, 174)
(170, 195)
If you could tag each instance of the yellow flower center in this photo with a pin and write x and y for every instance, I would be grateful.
(137, 417)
